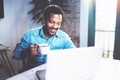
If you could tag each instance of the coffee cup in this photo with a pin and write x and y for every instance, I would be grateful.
(44, 48)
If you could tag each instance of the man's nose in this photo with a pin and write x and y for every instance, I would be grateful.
(55, 25)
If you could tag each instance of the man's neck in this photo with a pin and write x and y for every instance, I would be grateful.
(46, 32)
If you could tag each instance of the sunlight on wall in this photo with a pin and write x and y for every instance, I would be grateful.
(105, 14)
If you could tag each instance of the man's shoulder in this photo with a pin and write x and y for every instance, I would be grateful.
(33, 30)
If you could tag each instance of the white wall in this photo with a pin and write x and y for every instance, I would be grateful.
(16, 21)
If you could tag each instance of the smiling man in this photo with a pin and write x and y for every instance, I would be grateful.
(49, 33)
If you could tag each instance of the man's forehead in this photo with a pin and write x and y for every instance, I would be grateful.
(55, 17)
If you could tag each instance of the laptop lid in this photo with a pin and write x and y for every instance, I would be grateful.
(73, 64)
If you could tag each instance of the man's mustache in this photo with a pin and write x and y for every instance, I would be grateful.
(53, 28)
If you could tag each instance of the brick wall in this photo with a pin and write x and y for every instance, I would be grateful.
(71, 24)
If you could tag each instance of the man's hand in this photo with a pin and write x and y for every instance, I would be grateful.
(34, 49)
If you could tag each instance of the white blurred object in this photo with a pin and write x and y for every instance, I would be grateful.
(73, 64)
(109, 69)
(44, 48)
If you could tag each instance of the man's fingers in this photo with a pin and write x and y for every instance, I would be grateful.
(34, 49)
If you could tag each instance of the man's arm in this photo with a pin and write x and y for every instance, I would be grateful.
(19, 51)
(25, 48)
(21, 47)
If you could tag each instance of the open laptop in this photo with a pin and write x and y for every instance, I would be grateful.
(73, 64)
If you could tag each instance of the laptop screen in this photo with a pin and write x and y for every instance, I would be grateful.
(73, 64)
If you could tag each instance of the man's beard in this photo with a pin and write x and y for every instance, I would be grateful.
(50, 31)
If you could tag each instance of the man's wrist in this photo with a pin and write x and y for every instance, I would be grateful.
(25, 53)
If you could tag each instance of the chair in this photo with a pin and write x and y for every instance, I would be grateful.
(4, 60)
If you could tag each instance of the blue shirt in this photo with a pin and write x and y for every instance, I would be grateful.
(60, 40)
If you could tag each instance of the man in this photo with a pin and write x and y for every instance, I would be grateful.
(49, 33)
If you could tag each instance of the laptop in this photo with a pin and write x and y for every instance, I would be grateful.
(73, 64)
(41, 74)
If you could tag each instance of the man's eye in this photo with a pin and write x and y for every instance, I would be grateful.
(50, 21)
(59, 23)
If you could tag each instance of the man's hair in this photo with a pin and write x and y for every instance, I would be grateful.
(55, 9)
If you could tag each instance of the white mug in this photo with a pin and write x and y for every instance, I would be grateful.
(44, 48)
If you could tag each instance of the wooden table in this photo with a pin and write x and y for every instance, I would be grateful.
(109, 69)
(28, 75)
(86, 66)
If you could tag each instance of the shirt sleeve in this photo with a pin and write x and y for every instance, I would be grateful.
(21, 46)
(68, 43)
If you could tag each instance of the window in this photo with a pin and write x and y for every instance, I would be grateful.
(105, 25)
